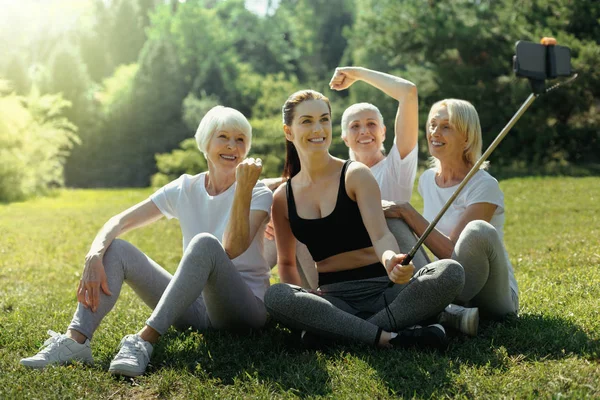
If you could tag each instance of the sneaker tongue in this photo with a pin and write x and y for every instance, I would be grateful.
(54, 340)
(133, 346)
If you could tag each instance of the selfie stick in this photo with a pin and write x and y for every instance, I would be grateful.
(537, 86)
(472, 172)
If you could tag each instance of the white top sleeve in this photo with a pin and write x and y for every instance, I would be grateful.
(485, 191)
(167, 198)
(396, 176)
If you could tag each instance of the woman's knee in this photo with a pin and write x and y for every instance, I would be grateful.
(278, 296)
(452, 275)
(479, 233)
(116, 253)
(204, 243)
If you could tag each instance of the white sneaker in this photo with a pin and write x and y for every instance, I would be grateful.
(133, 357)
(59, 349)
(463, 319)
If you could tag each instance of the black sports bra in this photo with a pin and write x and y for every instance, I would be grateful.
(341, 231)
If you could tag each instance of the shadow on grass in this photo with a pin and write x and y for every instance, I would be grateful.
(271, 357)
(275, 359)
(531, 337)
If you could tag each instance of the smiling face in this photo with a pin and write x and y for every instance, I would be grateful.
(445, 142)
(227, 148)
(311, 127)
(364, 133)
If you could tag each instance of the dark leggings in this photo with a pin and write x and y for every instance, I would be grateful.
(358, 310)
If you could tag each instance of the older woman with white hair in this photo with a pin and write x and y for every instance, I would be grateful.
(472, 229)
(364, 131)
(222, 277)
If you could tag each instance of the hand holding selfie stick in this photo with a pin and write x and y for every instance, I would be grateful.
(537, 62)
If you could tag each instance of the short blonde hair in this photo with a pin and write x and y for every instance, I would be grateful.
(216, 119)
(356, 108)
(463, 117)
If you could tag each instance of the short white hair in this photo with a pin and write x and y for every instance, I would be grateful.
(215, 120)
(356, 108)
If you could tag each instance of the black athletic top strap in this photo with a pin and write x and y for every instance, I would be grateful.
(339, 232)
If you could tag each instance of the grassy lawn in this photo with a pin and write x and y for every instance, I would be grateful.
(552, 350)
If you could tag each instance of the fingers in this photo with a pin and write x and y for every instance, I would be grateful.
(402, 273)
(270, 231)
(338, 80)
(95, 296)
(104, 287)
(81, 294)
(252, 161)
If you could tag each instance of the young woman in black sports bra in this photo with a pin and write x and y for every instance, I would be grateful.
(334, 207)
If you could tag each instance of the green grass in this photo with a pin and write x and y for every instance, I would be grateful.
(552, 235)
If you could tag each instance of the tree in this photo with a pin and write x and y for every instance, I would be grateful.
(126, 36)
(35, 139)
(464, 49)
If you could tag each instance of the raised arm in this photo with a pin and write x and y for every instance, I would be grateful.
(284, 239)
(405, 92)
(243, 223)
(94, 278)
(363, 188)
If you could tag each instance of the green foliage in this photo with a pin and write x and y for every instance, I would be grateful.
(136, 72)
(116, 89)
(35, 139)
(185, 160)
(464, 49)
(550, 351)
(195, 108)
(16, 73)
(125, 36)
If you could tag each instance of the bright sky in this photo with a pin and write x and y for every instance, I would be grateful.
(260, 6)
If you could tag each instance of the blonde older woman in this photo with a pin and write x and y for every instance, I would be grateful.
(221, 279)
(471, 231)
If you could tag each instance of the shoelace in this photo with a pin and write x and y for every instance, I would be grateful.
(52, 342)
(130, 348)
(414, 332)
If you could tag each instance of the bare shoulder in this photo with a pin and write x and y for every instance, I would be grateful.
(358, 171)
(280, 193)
(360, 177)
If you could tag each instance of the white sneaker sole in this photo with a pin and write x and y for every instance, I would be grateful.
(124, 371)
(41, 364)
(469, 323)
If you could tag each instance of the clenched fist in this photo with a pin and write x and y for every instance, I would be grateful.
(344, 77)
(248, 172)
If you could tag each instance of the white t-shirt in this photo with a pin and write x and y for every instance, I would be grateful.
(187, 200)
(482, 188)
(396, 176)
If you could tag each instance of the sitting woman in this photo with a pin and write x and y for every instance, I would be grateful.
(471, 230)
(364, 132)
(334, 207)
(221, 279)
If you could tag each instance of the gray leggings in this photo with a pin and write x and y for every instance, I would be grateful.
(482, 255)
(358, 310)
(206, 291)
(487, 285)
